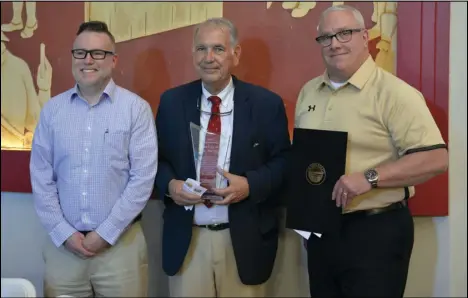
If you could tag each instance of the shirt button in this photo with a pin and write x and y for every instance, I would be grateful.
(84, 193)
(85, 171)
(89, 127)
(86, 149)
(330, 108)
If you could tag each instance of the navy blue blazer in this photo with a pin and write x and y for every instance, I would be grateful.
(260, 143)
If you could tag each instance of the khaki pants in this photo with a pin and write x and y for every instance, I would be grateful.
(290, 277)
(210, 270)
(120, 271)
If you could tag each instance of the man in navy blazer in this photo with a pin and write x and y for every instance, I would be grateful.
(229, 248)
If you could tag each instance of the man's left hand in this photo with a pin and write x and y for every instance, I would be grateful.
(348, 187)
(237, 190)
(94, 242)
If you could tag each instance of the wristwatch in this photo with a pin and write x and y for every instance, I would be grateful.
(372, 177)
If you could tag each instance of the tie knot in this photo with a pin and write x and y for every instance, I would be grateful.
(215, 100)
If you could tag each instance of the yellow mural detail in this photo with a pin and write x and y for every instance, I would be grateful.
(385, 17)
(17, 20)
(130, 20)
(21, 103)
(298, 8)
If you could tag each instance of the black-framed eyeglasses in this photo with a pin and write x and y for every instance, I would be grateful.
(95, 54)
(209, 112)
(341, 36)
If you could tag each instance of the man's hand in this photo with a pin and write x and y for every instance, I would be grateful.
(74, 244)
(237, 190)
(93, 242)
(348, 187)
(181, 197)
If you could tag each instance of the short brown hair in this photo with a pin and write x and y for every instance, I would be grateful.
(95, 26)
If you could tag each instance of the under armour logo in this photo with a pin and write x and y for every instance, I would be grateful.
(311, 108)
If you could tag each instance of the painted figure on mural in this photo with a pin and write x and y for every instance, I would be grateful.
(385, 16)
(17, 20)
(21, 103)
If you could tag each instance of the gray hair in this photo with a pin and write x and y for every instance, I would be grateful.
(357, 14)
(220, 22)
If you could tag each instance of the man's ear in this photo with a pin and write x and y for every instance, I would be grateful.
(115, 59)
(237, 54)
(365, 36)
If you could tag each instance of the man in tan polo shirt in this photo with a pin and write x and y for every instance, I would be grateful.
(393, 144)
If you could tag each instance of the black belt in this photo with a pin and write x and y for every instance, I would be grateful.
(136, 219)
(375, 211)
(214, 227)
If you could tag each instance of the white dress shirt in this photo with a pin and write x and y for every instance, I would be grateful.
(217, 214)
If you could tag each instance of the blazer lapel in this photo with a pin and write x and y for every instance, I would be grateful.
(241, 122)
(192, 114)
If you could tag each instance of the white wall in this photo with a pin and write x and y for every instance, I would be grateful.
(22, 238)
(438, 265)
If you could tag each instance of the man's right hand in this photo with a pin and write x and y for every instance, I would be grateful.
(181, 197)
(74, 244)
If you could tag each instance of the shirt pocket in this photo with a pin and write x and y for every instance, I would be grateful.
(116, 145)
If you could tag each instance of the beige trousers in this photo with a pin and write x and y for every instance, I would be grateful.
(210, 270)
(290, 276)
(120, 271)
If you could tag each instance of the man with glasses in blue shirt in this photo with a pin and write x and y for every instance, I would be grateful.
(224, 247)
(93, 164)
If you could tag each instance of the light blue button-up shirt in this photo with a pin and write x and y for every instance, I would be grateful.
(93, 166)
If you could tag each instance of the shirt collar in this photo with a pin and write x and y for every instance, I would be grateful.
(108, 92)
(358, 79)
(223, 94)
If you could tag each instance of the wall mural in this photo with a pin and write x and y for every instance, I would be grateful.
(21, 100)
(17, 23)
(154, 41)
(130, 20)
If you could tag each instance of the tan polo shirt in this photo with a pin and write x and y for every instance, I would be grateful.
(385, 119)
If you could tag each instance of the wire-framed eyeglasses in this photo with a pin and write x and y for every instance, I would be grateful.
(342, 36)
(209, 112)
(95, 54)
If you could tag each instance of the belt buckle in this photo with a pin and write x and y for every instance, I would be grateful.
(213, 227)
(376, 211)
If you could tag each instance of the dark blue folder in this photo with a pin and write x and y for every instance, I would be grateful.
(317, 161)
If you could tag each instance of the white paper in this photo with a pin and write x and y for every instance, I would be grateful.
(193, 186)
(306, 234)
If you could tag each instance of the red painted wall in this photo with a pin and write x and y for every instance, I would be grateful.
(279, 52)
(423, 62)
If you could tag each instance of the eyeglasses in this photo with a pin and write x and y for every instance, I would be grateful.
(95, 54)
(210, 113)
(342, 36)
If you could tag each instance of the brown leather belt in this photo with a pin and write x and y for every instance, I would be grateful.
(137, 219)
(375, 211)
(214, 227)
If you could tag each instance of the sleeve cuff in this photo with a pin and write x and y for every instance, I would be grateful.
(109, 232)
(61, 233)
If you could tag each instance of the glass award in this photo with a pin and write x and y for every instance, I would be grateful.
(207, 160)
